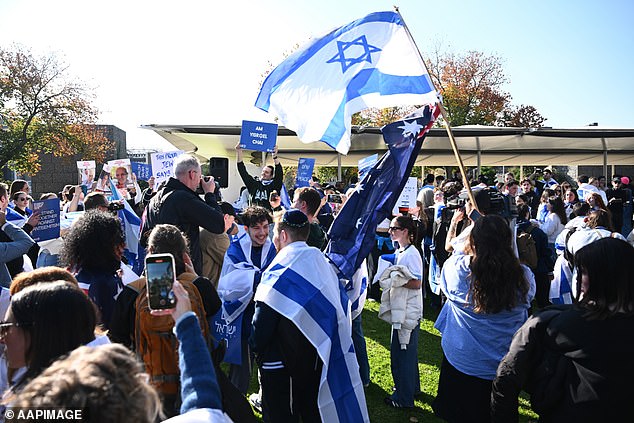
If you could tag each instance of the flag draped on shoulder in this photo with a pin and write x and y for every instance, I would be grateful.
(130, 221)
(352, 233)
(302, 286)
(371, 62)
(235, 286)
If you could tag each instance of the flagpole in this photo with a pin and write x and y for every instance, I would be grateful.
(443, 112)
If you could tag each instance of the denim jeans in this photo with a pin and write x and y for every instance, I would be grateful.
(405, 368)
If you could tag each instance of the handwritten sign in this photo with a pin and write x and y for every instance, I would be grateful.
(304, 172)
(49, 224)
(259, 136)
(163, 165)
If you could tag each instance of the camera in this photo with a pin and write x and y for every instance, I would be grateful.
(489, 201)
(200, 190)
(115, 206)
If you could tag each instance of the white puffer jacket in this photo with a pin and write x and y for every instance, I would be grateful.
(400, 306)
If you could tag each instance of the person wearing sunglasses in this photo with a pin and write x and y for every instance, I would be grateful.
(402, 305)
(44, 322)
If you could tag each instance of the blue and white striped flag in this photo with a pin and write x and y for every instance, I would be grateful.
(370, 62)
(15, 218)
(235, 288)
(130, 221)
(301, 285)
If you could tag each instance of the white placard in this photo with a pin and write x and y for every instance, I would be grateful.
(407, 198)
(163, 165)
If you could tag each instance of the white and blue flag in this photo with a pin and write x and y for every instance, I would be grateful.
(301, 285)
(130, 221)
(238, 277)
(371, 62)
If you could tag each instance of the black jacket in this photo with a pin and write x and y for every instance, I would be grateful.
(259, 193)
(180, 206)
(575, 369)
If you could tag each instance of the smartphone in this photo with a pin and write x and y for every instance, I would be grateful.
(160, 273)
(334, 198)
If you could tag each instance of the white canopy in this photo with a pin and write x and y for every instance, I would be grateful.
(478, 145)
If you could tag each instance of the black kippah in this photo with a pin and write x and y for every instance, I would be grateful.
(295, 218)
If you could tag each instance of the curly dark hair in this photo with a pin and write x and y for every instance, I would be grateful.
(254, 215)
(92, 243)
(497, 278)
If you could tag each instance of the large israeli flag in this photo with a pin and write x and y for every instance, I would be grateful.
(302, 286)
(370, 62)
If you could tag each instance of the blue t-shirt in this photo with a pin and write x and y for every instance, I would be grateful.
(474, 343)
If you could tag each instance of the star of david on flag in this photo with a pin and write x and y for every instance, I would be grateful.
(370, 62)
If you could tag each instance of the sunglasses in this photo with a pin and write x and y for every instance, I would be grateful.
(395, 228)
(22, 199)
(5, 326)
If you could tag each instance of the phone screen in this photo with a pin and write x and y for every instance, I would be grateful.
(334, 198)
(160, 274)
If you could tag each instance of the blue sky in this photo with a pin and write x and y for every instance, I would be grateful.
(199, 62)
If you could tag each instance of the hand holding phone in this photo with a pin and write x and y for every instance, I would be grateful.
(334, 198)
(160, 272)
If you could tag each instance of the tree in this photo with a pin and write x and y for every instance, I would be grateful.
(522, 117)
(45, 110)
(471, 85)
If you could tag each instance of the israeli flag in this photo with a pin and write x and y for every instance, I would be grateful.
(562, 283)
(302, 286)
(15, 218)
(371, 62)
(235, 286)
(130, 221)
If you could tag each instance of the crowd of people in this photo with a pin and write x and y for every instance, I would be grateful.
(254, 289)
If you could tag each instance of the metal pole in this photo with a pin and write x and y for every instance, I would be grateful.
(446, 122)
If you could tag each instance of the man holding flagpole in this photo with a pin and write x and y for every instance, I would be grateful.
(300, 314)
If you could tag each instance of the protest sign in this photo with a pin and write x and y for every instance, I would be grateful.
(304, 172)
(259, 136)
(86, 170)
(48, 227)
(141, 170)
(103, 183)
(163, 165)
(407, 199)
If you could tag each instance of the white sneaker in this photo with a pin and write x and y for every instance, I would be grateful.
(256, 402)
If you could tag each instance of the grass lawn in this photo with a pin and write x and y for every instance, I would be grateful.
(377, 335)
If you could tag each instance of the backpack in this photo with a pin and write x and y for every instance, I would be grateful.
(155, 342)
(526, 248)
